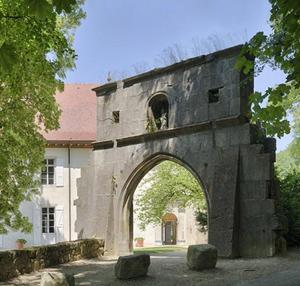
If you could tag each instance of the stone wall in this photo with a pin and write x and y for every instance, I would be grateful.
(17, 262)
(208, 132)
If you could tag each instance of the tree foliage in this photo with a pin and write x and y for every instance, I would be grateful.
(279, 50)
(288, 160)
(288, 173)
(35, 51)
(289, 206)
(167, 185)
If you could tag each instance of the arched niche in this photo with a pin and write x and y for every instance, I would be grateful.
(158, 113)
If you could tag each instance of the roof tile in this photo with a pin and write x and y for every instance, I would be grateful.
(78, 118)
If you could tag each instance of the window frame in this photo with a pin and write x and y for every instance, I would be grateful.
(47, 166)
(46, 228)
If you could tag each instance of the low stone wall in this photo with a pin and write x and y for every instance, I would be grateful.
(17, 262)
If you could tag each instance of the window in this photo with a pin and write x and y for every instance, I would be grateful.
(48, 172)
(116, 116)
(48, 219)
(214, 95)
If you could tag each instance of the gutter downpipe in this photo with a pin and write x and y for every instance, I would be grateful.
(70, 191)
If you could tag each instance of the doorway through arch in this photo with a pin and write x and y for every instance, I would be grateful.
(169, 229)
(164, 207)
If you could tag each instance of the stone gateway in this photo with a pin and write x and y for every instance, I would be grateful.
(195, 113)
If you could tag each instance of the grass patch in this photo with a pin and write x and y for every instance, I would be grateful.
(158, 249)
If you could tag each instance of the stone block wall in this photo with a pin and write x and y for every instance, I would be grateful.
(258, 222)
(17, 262)
(208, 132)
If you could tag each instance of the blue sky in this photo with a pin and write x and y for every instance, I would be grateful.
(118, 34)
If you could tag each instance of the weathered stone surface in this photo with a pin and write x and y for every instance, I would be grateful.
(57, 279)
(16, 262)
(208, 132)
(132, 266)
(202, 256)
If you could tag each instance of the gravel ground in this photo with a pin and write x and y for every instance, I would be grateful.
(170, 269)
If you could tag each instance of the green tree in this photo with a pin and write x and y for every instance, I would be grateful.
(167, 185)
(288, 160)
(279, 50)
(35, 51)
(289, 206)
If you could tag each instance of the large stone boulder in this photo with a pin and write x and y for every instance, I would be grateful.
(57, 279)
(132, 266)
(202, 256)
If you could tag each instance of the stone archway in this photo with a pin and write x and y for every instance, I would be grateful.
(208, 131)
(125, 202)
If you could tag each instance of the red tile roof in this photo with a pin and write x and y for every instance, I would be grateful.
(78, 118)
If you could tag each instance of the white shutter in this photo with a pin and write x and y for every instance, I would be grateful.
(59, 171)
(37, 227)
(59, 223)
(1, 241)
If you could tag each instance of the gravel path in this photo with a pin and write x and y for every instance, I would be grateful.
(170, 269)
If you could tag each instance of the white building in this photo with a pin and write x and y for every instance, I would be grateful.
(53, 213)
(178, 226)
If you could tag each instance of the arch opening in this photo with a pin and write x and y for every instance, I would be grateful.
(161, 205)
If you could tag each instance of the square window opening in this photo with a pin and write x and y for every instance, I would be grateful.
(116, 116)
(214, 95)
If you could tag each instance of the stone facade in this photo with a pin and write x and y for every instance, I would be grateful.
(16, 262)
(207, 131)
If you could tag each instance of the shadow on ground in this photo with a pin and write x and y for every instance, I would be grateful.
(169, 268)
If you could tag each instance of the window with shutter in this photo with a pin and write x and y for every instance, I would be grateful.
(48, 220)
(48, 172)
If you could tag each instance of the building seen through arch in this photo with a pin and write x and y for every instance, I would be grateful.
(177, 226)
